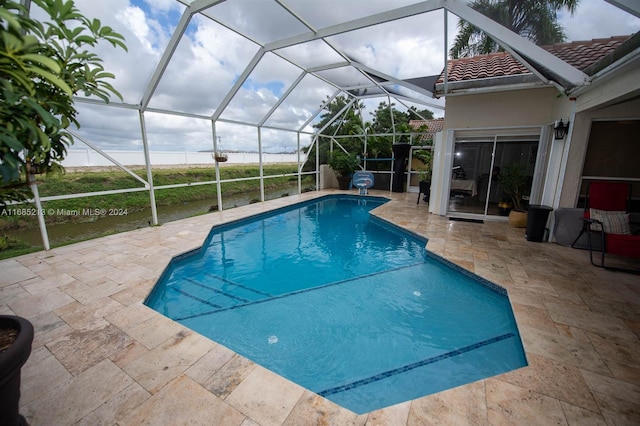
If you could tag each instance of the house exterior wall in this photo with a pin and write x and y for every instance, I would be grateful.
(526, 108)
(589, 107)
(611, 94)
(579, 143)
(540, 107)
(606, 88)
(506, 109)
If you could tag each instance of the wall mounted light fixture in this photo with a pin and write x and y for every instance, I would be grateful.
(561, 129)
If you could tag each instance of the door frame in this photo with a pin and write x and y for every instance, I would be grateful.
(540, 168)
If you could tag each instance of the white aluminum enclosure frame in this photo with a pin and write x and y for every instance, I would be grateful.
(564, 76)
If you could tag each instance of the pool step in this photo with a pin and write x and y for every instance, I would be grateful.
(210, 293)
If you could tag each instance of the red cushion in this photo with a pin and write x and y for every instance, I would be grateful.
(623, 245)
(608, 195)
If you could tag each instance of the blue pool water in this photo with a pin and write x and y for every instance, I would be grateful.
(342, 303)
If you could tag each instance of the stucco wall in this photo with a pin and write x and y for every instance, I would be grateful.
(579, 142)
(327, 177)
(506, 109)
(543, 106)
(523, 108)
(606, 89)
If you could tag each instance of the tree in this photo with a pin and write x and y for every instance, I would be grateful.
(42, 66)
(382, 124)
(351, 124)
(348, 123)
(535, 20)
(418, 114)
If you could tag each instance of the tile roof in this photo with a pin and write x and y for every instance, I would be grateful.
(580, 54)
(434, 126)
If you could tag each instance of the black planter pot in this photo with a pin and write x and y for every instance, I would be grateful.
(343, 182)
(11, 362)
(425, 188)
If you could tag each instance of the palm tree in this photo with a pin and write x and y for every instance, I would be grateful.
(535, 20)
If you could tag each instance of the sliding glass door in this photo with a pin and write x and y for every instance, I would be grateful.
(475, 176)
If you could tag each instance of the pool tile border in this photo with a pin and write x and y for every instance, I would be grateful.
(482, 281)
(412, 366)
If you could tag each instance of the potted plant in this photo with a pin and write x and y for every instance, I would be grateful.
(220, 157)
(513, 182)
(425, 182)
(505, 206)
(45, 64)
(343, 165)
(16, 336)
(424, 173)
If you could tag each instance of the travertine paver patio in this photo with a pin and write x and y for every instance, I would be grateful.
(101, 357)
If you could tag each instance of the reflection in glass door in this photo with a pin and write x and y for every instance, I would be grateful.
(477, 163)
(419, 167)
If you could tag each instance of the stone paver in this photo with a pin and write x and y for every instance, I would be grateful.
(100, 357)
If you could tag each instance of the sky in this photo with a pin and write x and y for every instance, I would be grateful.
(210, 58)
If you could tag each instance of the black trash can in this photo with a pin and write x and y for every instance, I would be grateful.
(537, 217)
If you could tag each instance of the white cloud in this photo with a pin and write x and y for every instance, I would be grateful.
(109, 127)
(203, 69)
(174, 133)
(412, 47)
(135, 19)
(210, 58)
(597, 19)
(163, 5)
(331, 12)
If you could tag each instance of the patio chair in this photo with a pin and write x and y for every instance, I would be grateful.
(606, 214)
(615, 238)
(604, 196)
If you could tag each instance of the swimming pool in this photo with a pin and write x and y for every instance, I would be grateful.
(342, 303)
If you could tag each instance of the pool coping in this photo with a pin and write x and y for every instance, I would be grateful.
(560, 302)
(476, 279)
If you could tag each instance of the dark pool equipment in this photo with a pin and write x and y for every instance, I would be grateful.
(400, 155)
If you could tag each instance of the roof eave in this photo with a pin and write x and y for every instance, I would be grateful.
(628, 47)
(629, 62)
(493, 84)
